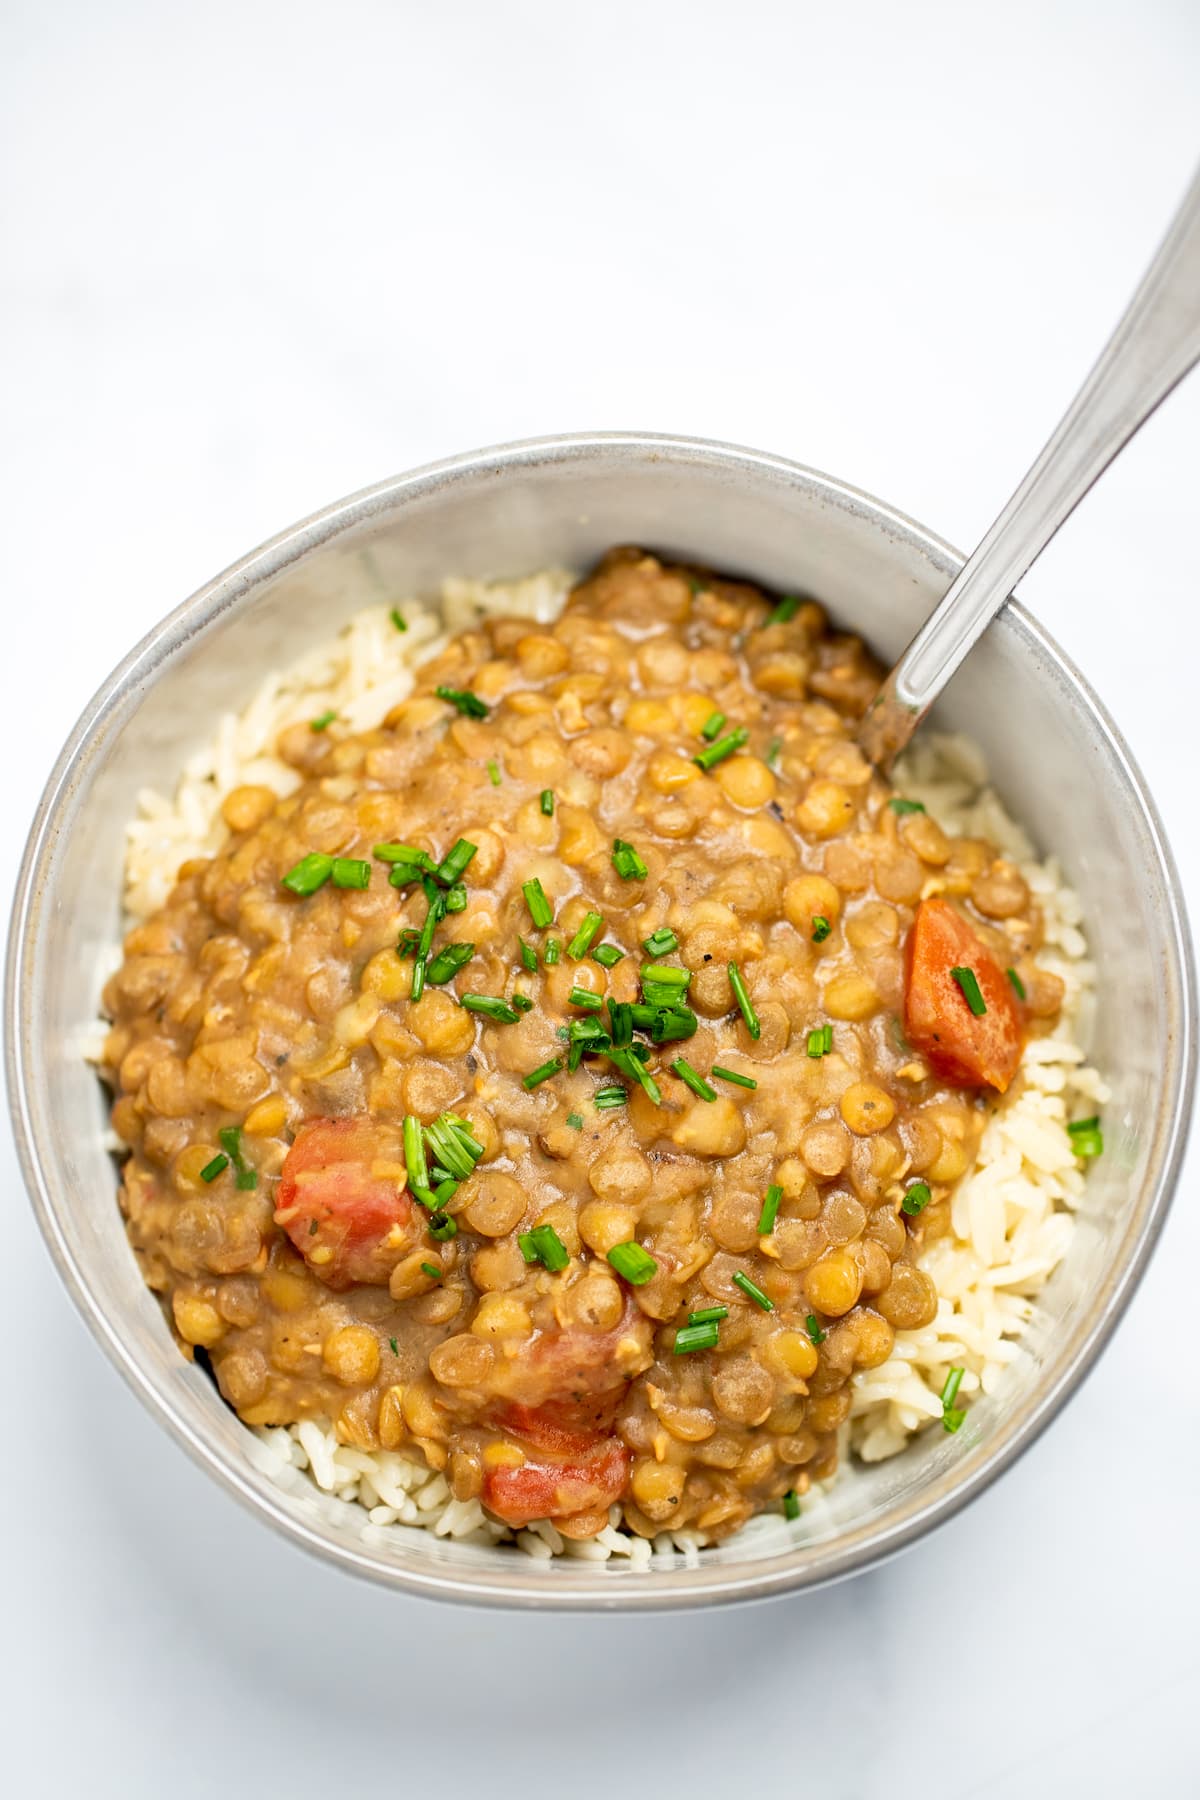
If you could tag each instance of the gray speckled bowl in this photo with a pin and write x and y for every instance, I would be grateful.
(1056, 759)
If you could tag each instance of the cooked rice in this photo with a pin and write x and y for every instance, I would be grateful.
(1011, 1216)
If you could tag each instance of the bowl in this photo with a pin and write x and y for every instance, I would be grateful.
(1055, 756)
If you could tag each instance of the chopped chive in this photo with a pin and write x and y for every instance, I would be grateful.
(968, 982)
(547, 802)
(542, 1073)
(746, 1081)
(456, 898)
(406, 943)
(1087, 1139)
(544, 1245)
(773, 749)
(552, 951)
(392, 1344)
(309, 874)
(605, 1098)
(770, 1210)
(821, 928)
(456, 1150)
(575, 1121)
(418, 980)
(666, 975)
(635, 1264)
(752, 1291)
(627, 862)
(629, 1064)
(1018, 986)
(711, 727)
(745, 1004)
(442, 1226)
(952, 1416)
(466, 702)
(521, 1001)
(586, 936)
(454, 865)
(811, 1325)
(690, 1338)
(607, 955)
(660, 942)
(690, 1078)
(447, 963)
(230, 1139)
(528, 955)
(434, 1274)
(664, 1021)
(323, 721)
(716, 753)
(901, 807)
(916, 1199)
(414, 1153)
(407, 855)
(493, 770)
(1084, 1124)
(820, 1040)
(212, 1169)
(708, 1315)
(490, 1006)
(620, 1018)
(785, 612)
(791, 1504)
(351, 872)
(398, 619)
(433, 918)
(540, 909)
(585, 999)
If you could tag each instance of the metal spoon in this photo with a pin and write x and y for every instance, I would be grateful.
(1153, 347)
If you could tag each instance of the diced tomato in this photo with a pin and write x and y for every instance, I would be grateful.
(571, 1377)
(342, 1200)
(587, 1478)
(964, 1048)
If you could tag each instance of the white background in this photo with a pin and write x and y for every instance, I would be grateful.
(255, 256)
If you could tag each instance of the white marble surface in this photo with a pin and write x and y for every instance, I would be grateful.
(257, 255)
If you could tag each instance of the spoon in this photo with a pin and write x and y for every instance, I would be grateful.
(1153, 347)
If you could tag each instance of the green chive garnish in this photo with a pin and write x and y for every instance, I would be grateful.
(406, 855)
(811, 1325)
(660, 942)
(490, 1006)
(719, 1074)
(522, 1002)
(414, 1153)
(607, 955)
(627, 862)
(309, 874)
(773, 749)
(323, 721)
(453, 866)
(770, 1210)
(711, 727)
(540, 909)
(785, 612)
(547, 802)
(753, 1291)
(544, 1245)
(666, 975)
(528, 955)
(466, 702)
(542, 1073)
(821, 928)
(716, 753)
(393, 1345)
(968, 982)
(586, 936)
(905, 806)
(630, 1064)
(1087, 1139)
(916, 1199)
(690, 1078)
(230, 1140)
(493, 770)
(696, 1337)
(745, 1004)
(952, 1416)
(351, 872)
(434, 1274)
(605, 1098)
(447, 963)
(442, 1226)
(708, 1315)
(635, 1264)
(791, 1504)
(456, 898)
(820, 1040)
(397, 619)
(418, 980)
(552, 951)
(575, 1121)
(1018, 986)
(585, 999)
(212, 1169)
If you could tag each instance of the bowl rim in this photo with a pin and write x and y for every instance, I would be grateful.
(826, 1562)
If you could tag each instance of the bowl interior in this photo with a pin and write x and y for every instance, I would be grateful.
(1055, 760)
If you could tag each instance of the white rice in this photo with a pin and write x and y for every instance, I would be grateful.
(1012, 1215)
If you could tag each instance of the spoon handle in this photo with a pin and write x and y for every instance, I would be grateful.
(1154, 345)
